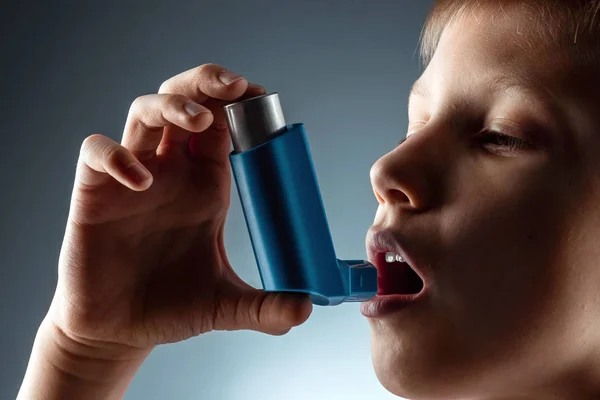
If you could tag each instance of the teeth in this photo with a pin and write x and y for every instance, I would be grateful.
(391, 257)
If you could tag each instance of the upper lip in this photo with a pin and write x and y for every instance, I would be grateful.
(383, 241)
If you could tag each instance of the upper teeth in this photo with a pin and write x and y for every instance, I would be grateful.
(391, 257)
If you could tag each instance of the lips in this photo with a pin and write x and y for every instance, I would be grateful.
(399, 283)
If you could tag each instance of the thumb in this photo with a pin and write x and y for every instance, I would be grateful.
(275, 313)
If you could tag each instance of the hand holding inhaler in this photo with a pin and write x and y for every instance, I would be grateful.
(143, 261)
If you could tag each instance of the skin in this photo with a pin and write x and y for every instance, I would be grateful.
(508, 234)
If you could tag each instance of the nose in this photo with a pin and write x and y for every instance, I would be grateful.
(411, 176)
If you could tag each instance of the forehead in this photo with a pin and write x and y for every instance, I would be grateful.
(500, 42)
(486, 40)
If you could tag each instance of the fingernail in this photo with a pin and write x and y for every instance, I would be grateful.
(193, 109)
(138, 174)
(228, 77)
(257, 87)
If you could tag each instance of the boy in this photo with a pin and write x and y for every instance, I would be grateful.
(492, 201)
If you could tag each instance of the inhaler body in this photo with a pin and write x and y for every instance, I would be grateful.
(283, 208)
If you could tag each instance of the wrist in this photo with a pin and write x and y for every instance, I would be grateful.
(77, 355)
(65, 366)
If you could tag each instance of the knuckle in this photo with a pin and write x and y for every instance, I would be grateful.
(171, 100)
(205, 70)
(137, 105)
(202, 72)
(165, 87)
(258, 309)
(207, 73)
(113, 154)
(89, 143)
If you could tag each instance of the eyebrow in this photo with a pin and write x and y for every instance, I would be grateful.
(496, 84)
(503, 83)
(418, 89)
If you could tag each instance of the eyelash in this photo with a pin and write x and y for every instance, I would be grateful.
(501, 143)
(510, 143)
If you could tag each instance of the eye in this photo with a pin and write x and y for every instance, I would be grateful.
(412, 129)
(500, 143)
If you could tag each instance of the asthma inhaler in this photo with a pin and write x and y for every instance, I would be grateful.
(283, 208)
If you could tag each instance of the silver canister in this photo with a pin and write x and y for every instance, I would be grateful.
(254, 121)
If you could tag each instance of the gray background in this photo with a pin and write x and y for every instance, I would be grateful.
(68, 70)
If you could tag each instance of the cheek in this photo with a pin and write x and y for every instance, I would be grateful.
(499, 274)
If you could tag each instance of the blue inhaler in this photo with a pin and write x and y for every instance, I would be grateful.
(282, 205)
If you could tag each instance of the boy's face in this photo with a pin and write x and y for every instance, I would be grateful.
(507, 228)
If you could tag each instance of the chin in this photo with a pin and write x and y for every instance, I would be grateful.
(420, 363)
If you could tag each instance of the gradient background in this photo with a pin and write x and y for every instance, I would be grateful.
(343, 68)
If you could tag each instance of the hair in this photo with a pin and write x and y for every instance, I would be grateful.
(574, 25)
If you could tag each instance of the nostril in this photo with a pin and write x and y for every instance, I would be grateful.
(402, 181)
(393, 196)
(398, 196)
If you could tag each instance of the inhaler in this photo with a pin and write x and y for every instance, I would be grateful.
(283, 208)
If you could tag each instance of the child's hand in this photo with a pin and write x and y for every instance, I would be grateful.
(143, 261)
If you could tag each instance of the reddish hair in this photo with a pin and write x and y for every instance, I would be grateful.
(572, 24)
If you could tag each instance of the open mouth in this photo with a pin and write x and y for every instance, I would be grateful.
(396, 276)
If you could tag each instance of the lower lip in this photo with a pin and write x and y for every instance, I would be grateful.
(384, 305)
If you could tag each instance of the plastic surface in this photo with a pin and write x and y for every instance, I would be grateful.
(288, 227)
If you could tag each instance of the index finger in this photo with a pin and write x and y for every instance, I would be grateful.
(206, 81)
